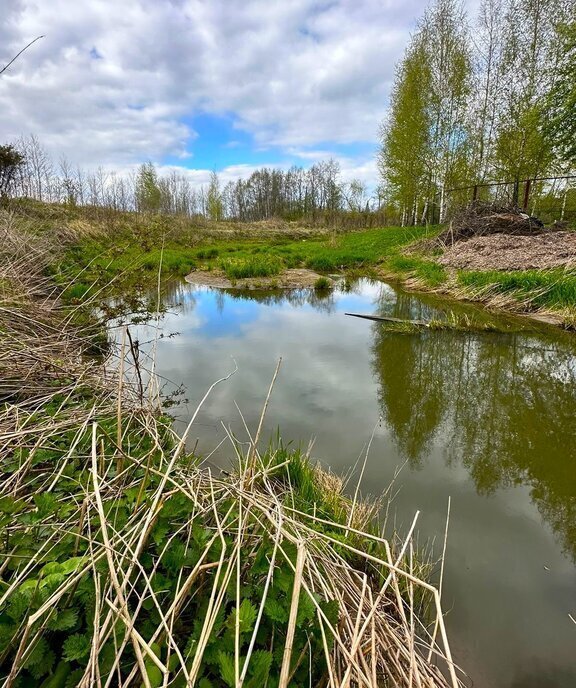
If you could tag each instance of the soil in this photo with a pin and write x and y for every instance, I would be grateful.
(513, 252)
(290, 279)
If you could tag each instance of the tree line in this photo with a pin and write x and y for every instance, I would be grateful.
(316, 194)
(487, 99)
(474, 100)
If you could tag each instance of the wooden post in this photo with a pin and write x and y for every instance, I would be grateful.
(526, 194)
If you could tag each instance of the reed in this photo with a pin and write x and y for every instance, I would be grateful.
(123, 560)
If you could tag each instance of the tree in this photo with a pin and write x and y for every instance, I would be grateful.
(11, 160)
(405, 136)
(148, 193)
(530, 58)
(560, 125)
(214, 198)
(446, 43)
(488, 76)
(425, 142)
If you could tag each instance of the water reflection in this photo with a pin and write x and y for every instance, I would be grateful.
(487, 419)
(502, 404)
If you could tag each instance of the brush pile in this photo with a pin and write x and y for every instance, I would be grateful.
(482, 219)
(124, 562)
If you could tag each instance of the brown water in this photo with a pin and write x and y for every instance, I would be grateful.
(488, 419)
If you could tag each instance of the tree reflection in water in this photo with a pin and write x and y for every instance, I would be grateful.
(502, 404)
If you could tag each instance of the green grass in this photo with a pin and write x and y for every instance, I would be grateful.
(132, 259)
(322, 284)
(129, 249)
(553, 289)
(253, 266)
(428, 271)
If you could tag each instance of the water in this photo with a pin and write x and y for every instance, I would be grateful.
(488, 419)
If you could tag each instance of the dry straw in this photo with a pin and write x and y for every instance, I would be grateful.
(382, 636)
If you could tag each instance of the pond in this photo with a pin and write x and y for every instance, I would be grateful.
(485, 418)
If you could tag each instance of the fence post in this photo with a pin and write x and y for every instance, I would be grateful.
(475, 194)
(516, 192)
(527, 194)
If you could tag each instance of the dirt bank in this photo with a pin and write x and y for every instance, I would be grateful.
(290, 279)
(507, 252)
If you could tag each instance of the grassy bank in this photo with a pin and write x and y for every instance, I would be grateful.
(124, 561)
(109, 252)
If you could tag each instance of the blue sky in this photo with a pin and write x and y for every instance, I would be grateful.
(219, 142)
(198, 85)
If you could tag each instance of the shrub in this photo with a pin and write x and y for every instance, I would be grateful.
(322, 284)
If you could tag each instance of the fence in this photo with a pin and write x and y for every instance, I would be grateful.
(549, 198)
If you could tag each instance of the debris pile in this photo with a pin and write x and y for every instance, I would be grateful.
(482, 219)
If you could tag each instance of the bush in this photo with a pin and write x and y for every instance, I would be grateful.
(322, 284)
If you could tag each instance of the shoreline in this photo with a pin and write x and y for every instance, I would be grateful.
(304, 279)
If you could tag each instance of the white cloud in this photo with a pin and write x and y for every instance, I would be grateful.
(112, 83)
(113, 79)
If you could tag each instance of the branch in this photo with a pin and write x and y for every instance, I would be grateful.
(20, 53)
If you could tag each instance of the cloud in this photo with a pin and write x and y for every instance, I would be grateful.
(116, 78)
(116, 83)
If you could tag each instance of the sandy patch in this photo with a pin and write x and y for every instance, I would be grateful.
(290, 279)
(512, 252)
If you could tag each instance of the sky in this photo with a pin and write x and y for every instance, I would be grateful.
(225, 85)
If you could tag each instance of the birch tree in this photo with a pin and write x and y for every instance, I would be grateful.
(405, 135)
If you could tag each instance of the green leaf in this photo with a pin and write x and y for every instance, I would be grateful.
(259, 668)
(226, 664)
(74, 678)
(76, 647)
(306, 609)
(72, 565)
(37, 655)
(332, 611)
(44, 666)
(46, 503)
(275, 611)
(248, 614)
(59, 678)
(154, 674)
(18, 606)
(64, 620)
(11, 505)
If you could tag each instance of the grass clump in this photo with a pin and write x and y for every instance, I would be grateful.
(322, 284)
(252, 266)
(428, 271)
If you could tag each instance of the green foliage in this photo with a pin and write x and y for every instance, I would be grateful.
(10, 161)
(214, 203)
(431, 273)
(405, 147)
(76, 647)
(560, 124)
(322, 284)
(538, 288)
(253, 266)
(66, 638)
(148, 192)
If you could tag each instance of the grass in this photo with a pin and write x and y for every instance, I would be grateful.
(322, 284)
(129, 262)
(124, 562)
(427, 271)
(536, 289)
(127, 251)
(252, 266)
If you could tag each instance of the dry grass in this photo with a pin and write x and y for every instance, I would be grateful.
(123, 561)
